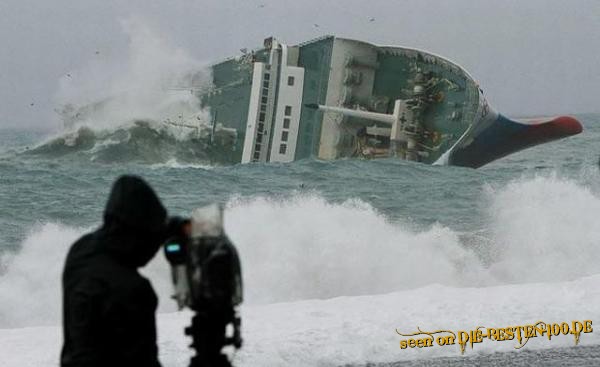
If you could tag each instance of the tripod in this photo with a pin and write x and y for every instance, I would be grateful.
(208, 339)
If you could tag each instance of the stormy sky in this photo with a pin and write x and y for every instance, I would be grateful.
(534, 57)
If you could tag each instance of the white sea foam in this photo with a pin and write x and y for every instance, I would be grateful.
(30, 284)
(358, 330)
(173, 163)
(300, 240)
(305, 248)
(544, 231)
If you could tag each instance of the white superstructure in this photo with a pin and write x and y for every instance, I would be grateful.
(274, 108)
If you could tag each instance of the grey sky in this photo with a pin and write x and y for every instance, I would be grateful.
(530, 57)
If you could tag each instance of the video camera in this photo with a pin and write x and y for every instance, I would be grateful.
(206, 276)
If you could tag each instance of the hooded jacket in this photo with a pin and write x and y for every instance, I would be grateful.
(108, 307)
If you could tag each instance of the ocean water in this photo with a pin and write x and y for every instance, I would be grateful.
(310, 230)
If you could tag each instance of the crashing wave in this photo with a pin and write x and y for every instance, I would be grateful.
(143, 141)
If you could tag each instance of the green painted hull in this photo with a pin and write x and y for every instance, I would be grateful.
(437, 105)
(444, 121)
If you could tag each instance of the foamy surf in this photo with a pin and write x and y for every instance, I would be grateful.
(545, 229)
(360, 330)
(174, 164)
(305, 247)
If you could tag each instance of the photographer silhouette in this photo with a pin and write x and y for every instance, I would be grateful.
(108, 307)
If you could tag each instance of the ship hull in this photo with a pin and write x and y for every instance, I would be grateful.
(334, 98)
(500, 136)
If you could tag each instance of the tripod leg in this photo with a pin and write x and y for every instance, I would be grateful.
(208, 339)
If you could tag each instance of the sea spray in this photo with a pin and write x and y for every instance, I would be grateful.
(546, 228)
(306, 247)
(151, 82)
(298, 258)
(30, 284)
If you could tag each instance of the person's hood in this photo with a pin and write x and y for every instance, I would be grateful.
(134, 221)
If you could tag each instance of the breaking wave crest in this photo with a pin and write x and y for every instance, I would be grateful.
(544, 229)
(143, 141)
(137, 106)
(304, 247)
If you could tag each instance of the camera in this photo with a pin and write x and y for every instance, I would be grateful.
(206, 276)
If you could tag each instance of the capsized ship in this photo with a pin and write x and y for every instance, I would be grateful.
(334, 97)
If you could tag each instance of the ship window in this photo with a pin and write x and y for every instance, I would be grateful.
(288, 110)
(264, 99)
(261, 126)
(259, 138)
(261, 117)
(263, 108)
(286, 123)
(290, 80)
(266, 84)
(257, 155)
(257, 147)
(284, 136)
(265, 91)
(282, 148)
(267, 76)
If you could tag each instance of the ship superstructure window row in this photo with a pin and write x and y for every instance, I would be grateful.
(261, 118)
(274, 109)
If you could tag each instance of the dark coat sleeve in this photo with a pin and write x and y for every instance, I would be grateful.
(129, 314)
(110, 321)
(82, 324)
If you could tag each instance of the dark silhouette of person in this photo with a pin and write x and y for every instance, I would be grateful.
(108, 307)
